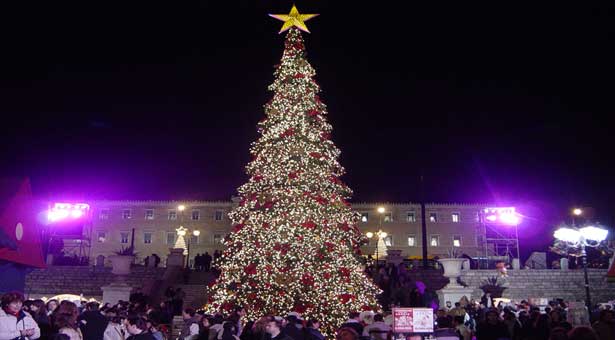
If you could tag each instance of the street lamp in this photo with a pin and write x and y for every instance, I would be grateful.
(589, 236)
(576, 212)
(181, 231)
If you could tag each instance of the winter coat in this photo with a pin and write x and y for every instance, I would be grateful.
(114, 332)
(10, 326)
(73, 334)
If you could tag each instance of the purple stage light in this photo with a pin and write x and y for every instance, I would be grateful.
(502, 215)
(63, 211)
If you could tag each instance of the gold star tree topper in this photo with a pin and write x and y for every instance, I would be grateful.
(294, 18)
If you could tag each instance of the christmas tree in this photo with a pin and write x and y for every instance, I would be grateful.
(295, 243)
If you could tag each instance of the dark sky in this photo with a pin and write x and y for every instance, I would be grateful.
(160, 100)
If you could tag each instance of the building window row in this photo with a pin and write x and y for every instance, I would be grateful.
(411, 217)
(171, 237)
(149, 215)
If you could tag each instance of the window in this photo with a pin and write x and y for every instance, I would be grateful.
(457, 241)
(388, 217)
(218, 238)
(104, 214)
(196, 215)
(388, 241)
(126, 214)
(434, 241)
(455, 217)
(433, 217)
(172, 215)
(364, 217)
(194, 239)
(147, 237)
(101, 236)
(218, 215)
(149, 214)
(411, 241)
(170, 238)
(123, 237)
(411, 217)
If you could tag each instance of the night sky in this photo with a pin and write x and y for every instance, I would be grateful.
(160, 100)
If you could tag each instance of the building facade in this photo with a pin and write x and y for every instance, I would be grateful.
(155, 223)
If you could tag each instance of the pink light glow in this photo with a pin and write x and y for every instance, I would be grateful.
(505, 216)
(62, 211)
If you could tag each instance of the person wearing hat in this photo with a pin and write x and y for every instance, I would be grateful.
(492, 328)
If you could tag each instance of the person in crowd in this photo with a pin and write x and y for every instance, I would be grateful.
(16, 323)
(582, 333)
(65, 320)
(377, 330)
(312, 330)
(556, 320)
(137, 328)
(492, 328)
(114, 330)
(558, 333)
(346, 333)
(259, 331)
(51, 306)
(207, 261)
(204, 328)
(178, 301)
(605, 326)
(190, 330)
(39, 314)
(216, 326)
(235, 318)
(354, 323)
(462, 330)
(152, 327)
(274, 328)
(92, 323)
(165, 313)
(512, 324)
(292, 328)
(540, 326)
(444, 329)
(229, 331)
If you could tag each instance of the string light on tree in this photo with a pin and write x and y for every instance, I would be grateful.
(295, 244)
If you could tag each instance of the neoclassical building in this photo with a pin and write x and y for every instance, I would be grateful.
(155, 224)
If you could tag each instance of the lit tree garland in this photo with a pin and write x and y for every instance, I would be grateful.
(295, 245)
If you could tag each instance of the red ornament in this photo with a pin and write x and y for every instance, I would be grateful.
(345, 297)
(344, 272)
(326, 275)
(315, 154)
(308, 225)
(299, 75)
(307, 279)
(325, 136)
(293, 175)
(238, 227)
(313, 113)
(366, 308)
(257, 178)
(250, 269)
(330, 246)
(265, 225)
(252, 284)
(252, 296)
(344, 226)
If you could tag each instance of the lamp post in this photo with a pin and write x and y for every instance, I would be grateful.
(182, 232)
(589, 236)
(576, 212)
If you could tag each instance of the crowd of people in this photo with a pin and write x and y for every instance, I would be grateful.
(138, 320)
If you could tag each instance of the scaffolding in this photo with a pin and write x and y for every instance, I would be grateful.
(498, 235)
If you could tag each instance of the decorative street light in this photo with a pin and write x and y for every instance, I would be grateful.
(576, 212)
(181, 232)
(589, 236)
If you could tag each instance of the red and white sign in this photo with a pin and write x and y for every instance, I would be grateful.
(412, 320)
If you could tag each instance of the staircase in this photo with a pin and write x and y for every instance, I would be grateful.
(196, 289)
